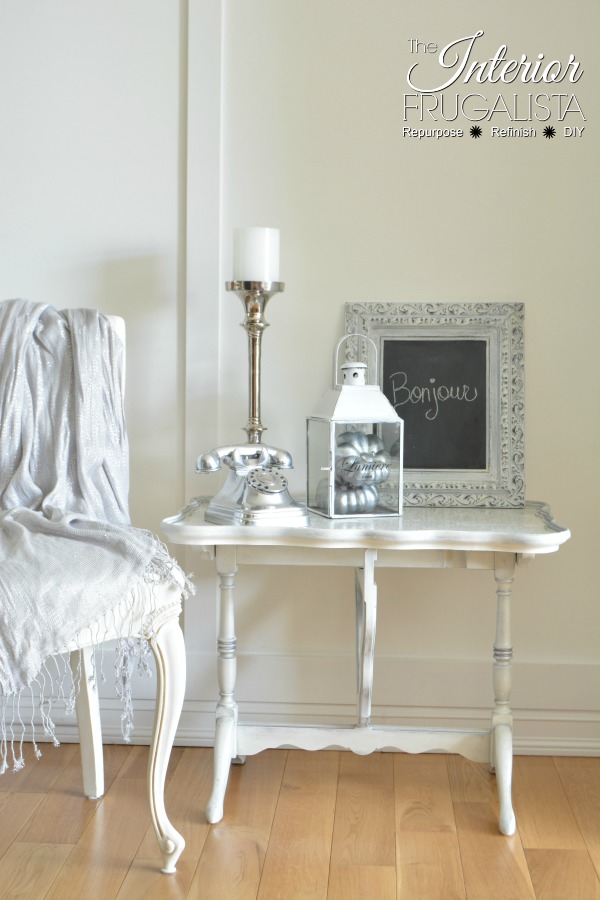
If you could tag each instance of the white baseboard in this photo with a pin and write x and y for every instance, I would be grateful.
(555, 705)
(556, 733)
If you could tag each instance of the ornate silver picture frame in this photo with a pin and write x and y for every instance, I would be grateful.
(455, 373)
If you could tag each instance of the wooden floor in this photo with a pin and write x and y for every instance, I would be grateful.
(325, 825)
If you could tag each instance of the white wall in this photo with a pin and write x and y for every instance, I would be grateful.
(90, 195)
(92, 208)
(111, 196)
(312, 142)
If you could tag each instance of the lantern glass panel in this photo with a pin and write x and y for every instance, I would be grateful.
(367, 469)
(319, 465)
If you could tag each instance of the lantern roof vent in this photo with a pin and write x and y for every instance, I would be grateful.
(353, 400)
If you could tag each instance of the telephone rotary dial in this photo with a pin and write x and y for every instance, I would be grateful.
(267, 481)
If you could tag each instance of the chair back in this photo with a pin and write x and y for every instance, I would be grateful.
(48, 458)
(118, 325)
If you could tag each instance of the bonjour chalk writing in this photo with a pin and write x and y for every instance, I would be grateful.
(431, 396)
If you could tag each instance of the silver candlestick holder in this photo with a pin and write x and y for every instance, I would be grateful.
(254, 296)
(256, 490)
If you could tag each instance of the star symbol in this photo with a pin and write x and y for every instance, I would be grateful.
(475, 131)
(549, 131)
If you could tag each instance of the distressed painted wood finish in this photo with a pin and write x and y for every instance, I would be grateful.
(421, 538)
(529, 530)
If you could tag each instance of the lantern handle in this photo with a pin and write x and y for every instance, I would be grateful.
(337, 351)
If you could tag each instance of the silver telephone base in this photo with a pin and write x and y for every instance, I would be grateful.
(256, 496)
(292, 515)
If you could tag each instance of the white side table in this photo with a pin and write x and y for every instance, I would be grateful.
(421, 538)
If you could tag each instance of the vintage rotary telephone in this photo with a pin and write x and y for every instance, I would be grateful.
(256, 490)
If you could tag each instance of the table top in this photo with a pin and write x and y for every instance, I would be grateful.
(530, 529)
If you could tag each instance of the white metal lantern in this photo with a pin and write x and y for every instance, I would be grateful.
(355, 445)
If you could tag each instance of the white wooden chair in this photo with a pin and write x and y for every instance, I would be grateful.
(152, 614)
(166, 640)
(165, 637)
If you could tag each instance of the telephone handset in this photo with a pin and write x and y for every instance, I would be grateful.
(256, 490)
(246, 456)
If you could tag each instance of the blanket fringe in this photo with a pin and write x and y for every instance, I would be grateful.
(133, 653)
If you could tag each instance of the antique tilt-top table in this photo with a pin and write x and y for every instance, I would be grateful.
(422, 538)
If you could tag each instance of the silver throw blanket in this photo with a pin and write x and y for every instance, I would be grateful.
(68, 554)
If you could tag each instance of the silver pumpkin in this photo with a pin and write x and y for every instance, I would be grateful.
(361, 459)
(351, 501)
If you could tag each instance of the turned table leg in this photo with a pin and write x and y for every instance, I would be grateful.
(226, 722)
(502, 752)
(366, 619)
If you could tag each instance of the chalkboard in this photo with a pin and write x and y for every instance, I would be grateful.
(439, 387)
(463, 364)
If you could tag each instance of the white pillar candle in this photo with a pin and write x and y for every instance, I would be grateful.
(256, 254)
